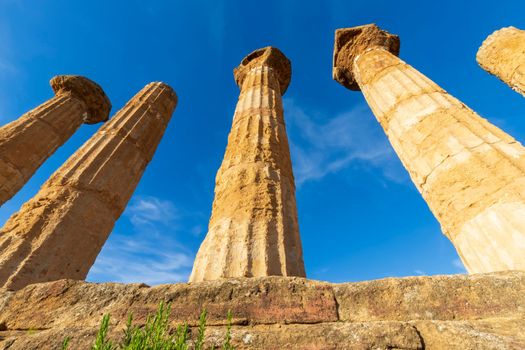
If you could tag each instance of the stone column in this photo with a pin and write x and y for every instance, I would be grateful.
(471, 174)
(59, 233)
(28, 141)
(253, 230)
(503, 55)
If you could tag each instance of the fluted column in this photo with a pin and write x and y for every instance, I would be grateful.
(28, 141)
(253, 230)
(503, 55)
(471, 174)
(59, 233)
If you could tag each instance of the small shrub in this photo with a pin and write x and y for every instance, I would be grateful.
(101, 342)
(199, 343)
(128, 333)
(227, 338)
(155, 334)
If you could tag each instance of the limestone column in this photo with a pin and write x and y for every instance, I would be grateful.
(59, 233)
(28, 141)
(503, 55)
(253, 229)
(471, 174)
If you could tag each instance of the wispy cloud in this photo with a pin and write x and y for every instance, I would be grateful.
(151, 211)
(142, 258)
(321, 147)
(150, 252)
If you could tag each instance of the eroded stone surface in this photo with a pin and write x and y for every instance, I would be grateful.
(268, 57)
(376, 335)
(59, 233)
(337, 335)
(471, 174)
(440, 312)
(97, 103)
(489, 334)
(253, 229)
(257, 301)
(503, 55)
(351, 42)
(448, 297)
(28, 141)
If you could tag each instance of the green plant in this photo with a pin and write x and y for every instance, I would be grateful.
(227, 338)
(65, 343)
(128, 333)
(155, 334)
(199, 343)
(101, 342)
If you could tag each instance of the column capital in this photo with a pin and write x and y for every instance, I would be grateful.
(270, 57)
(351, 42)
(97, 103)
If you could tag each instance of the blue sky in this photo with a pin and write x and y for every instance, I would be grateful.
(360, 216)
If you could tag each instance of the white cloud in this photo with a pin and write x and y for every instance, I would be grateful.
(142, 258)
(321, 148)
(420, 272)
(150, 211)
(150, 252)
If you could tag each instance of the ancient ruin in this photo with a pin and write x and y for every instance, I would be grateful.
(253, 230)
(59, 233)
(474, 312)
(471, 174)
(28, 141)
(503, 55)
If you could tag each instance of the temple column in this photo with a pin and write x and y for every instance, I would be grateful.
(253, 229)
(28, 141)
(471, 174)
(503, 55)
(59, 233)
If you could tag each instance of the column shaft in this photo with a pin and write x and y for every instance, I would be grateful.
(28, 141)
(253, 230)
(503, 55)
(471, 174)
(59, 233)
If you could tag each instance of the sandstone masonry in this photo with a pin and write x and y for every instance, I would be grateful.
(467, 312)
(471, 174)
(59, 233)
(28, 141)
(503, 55)
(253, 230)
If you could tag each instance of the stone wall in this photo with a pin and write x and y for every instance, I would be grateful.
(481, 311)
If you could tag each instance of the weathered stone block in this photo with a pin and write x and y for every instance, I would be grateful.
(453, 297)
(438, 312)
